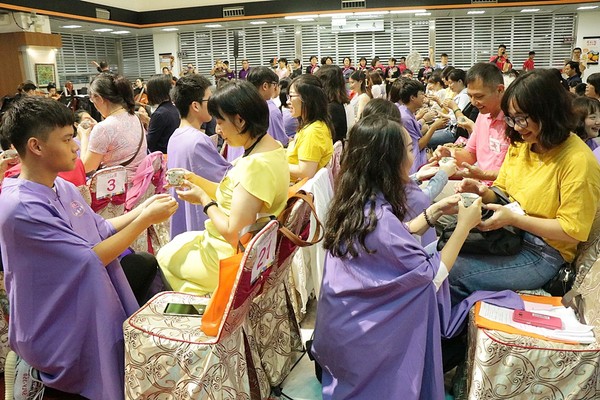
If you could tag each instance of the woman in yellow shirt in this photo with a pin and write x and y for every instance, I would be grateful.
(313, 146)
(552, 175)
(256, 184)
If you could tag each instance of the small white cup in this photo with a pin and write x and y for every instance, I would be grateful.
(445, 160)
(175, 176)
(468, 198)
(10, 153)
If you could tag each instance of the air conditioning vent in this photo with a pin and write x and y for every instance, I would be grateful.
(350, 4)
(233, 12)
(101, 13)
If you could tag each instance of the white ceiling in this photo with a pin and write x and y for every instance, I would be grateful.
(153, 5)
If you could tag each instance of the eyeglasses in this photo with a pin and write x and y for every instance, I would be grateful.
(202, 100)
(291, 96)
(520, 121)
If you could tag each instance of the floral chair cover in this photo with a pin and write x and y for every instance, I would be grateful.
(110, 207)
(507, 366)
(4, 346)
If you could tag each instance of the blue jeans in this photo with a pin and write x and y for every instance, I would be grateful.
(441, 137)
(535, 265)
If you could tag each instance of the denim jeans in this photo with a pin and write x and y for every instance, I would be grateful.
(535, 265)
(441, 137)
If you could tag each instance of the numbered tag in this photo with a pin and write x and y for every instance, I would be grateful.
(265, 250)
(110, 184)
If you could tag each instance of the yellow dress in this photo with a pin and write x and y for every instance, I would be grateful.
(190, 262)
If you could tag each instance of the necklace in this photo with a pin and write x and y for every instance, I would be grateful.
(114, 111)
(249, 149)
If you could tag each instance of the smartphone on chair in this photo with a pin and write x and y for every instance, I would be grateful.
(185, 310)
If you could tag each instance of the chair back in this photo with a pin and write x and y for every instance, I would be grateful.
(149, 179)
(108, 190)
(259, 256)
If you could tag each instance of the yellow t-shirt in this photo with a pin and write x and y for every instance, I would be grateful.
(312, 143)
(190, 262)
(562, 184)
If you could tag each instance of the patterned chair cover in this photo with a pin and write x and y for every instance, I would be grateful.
(169, 357)
(109, 207)
(506, 366)
(4, 346)
(272, 324)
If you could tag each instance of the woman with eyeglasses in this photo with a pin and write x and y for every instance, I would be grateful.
(551, 175)
(256, 184)
(313, 145)
(120, 139)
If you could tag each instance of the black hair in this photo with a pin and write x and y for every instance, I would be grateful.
(297, 61)
(403, 89)
(362, 59)
(489, 74)
(446, 71)
(576, 48)
(314, 100)
(444, 55)
(382, 107)
(334, 84)
(580, 89)
(28, 86)
(315, 57)
(582, 107)
(371, 165)
(539, 95)
(426, 59)
(348, 58)
(532, 53)
(502, 46)
(187, 89)
(79, 114)
(394, 60)
(283, 60)
(259, 75)
(458, 75)
(114, 88)
(33, 117)
(241, 98)
(360, 76)
(574, 65)
(436, 77)
(374, 61)
(158, 88)
(594, 80)
(51, 85)
(284, 85)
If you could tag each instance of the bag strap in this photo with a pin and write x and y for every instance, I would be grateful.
(298, 241)
(126, 163)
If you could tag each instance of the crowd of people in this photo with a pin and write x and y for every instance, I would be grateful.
(406, 138)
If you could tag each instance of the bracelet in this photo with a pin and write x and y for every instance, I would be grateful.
(209, 205)
(431, 225)
(455, 110)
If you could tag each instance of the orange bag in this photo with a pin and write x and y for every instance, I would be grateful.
(213, 315)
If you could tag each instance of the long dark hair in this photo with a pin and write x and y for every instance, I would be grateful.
(334, 84)
(314, 100)
(373, 159)
(114, 88)
(540, 95)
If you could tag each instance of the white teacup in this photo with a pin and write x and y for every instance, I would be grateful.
(10, 153)
(175, 176)
(468, 198)
(445, 160)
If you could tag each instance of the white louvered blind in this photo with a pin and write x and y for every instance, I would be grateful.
(138, 57)
(78, 51)
(475, 39)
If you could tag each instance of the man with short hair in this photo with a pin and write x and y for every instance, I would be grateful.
(577, 57)
(443, 61)
(192, 149)
(571, 70)
(245, 70)
(267, 83)
(487, 144)
(500, 60)
(529, 64)
(67, 291)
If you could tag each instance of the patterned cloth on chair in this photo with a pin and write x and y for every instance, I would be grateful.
(170, 357)
(112, 205)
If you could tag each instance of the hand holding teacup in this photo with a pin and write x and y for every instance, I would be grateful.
(175, 177)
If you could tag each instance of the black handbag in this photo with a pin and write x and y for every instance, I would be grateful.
(562, 281)
(505, 241)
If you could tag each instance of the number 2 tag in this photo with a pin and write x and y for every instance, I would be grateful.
(265, 250)
(110, 184)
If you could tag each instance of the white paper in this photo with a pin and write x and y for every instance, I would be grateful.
(265, 247)
(110, 184)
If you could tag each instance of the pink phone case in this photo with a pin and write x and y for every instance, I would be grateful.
(534, 319)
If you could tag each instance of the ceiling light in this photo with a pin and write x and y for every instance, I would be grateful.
(298, 17)
(530, 10)
(71, 26)
(587, 7)
(372, 13)
(476, 12)
(170, 29)
(407, 11)
(103, 30)
(336, 15)
(258, 22)
(213, 26)
(306, 19)
(426, 14)
(120, 32)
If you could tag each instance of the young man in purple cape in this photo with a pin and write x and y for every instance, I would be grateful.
(67, 292)
(191, 149)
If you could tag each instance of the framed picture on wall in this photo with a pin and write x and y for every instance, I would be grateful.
(591, 49)
(44, 74)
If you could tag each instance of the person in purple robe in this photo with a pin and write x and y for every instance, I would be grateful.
(191, 149)
(383, 297)
(409, 95)
(267, 83)
(67, 292)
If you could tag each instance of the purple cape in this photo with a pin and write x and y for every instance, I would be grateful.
(380, 320)
(414, 130)
(276, 128)
(418, 201)
(66, 308)
(191, 149)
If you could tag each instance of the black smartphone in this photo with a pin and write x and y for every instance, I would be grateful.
(186, 310)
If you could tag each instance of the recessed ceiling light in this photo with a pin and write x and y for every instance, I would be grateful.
(476, 12)
(213, 26)
(306, 19)
(298, 17)
(71, 26)
(587, 7)
(530, 10)
(170, 29)
(422, 14)
(258, 22)
(120, 32)
(103, 30)
(407, 11)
